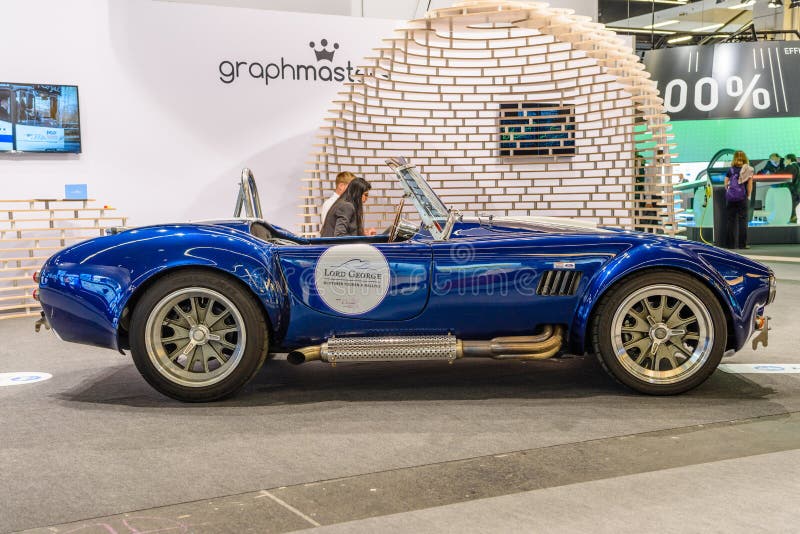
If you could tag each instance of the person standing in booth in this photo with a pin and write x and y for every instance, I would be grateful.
(346, 216)
(5, 114)
(793, 168)
(738, 187)
(343, 179)
(773, 165)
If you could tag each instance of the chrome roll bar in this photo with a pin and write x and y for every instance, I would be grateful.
(248, 198)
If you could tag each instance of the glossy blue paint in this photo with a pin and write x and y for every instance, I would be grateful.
(409, 265)
(479, 284)
(479, 289)
(739, 300)
(85, 288)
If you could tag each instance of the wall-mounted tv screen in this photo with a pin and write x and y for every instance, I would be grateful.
(39, 118)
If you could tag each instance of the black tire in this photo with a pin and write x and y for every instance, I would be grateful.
(619, 313)
(244, 326)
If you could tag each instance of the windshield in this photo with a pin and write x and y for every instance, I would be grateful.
(435, 215)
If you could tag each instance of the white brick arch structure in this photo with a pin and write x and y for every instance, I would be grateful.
(435, 92)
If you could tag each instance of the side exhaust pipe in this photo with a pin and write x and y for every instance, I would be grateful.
(539, 347)
(439, 347)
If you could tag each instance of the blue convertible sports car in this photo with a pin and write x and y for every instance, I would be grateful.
(200, 306)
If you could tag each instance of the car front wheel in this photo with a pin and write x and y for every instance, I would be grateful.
(198, 336)
(660, 333)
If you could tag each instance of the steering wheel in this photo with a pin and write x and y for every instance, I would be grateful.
(396, 223)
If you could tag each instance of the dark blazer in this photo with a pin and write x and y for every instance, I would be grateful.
(341, 220)
(793, 168)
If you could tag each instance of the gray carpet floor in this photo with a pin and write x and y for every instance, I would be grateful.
(96, 441)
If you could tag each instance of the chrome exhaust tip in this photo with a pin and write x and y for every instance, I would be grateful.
(305, 354)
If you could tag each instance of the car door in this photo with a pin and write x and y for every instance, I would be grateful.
(359, 280)
(512, 285)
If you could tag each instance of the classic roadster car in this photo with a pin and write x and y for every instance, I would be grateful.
(201, 306)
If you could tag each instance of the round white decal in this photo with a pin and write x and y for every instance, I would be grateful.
(352, 279)
(17, 379)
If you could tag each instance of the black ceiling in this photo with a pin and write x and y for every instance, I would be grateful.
(610, 11)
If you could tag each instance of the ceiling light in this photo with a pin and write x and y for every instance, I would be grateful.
(744, 5)
(680, 39)
(709, 28)
(640, 30)
(662, 24)
(775, 4)
(674, 2)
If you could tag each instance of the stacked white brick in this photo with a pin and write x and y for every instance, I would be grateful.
(433, 94)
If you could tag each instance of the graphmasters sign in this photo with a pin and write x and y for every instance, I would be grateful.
(232, 70)
(732, 80)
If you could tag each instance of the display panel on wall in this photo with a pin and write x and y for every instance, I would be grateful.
(537, 129)
(729, 80)
(39, 118)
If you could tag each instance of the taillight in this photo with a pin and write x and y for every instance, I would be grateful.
(35, 295)
(36, 277)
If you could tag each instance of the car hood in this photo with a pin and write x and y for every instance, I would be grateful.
(505, 226)
(548, 224)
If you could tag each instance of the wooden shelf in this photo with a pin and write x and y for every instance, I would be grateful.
(27, 307)
(49, 229)
(31, 231)
(18, 287)
(16, 297)
(6, 250)
(17, 269)
(22, 258)
(47, 200)
(32, 313)
(56, 210)
(64, 239)
(56, 219)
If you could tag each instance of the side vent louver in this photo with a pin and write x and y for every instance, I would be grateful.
(559, 283)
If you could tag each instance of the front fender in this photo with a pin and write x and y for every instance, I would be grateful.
(85, 288)
(740, 284)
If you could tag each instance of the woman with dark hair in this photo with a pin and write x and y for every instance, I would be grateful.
(346, 216)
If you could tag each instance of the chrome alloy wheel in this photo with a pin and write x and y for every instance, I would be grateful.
(662, 334)
(195, 337)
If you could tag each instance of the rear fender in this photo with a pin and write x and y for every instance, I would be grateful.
(86, 288)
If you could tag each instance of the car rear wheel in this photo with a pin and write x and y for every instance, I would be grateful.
(660, 332)
(198, 336)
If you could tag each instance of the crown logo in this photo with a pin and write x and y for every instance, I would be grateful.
(324, 53)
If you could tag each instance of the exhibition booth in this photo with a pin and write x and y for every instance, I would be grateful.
(723, 98)
(329, 261)
(149, 113)
(146, 112)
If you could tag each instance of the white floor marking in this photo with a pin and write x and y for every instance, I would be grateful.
(760, 368)
(780, 259)
(20, 378)
(288, 506)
